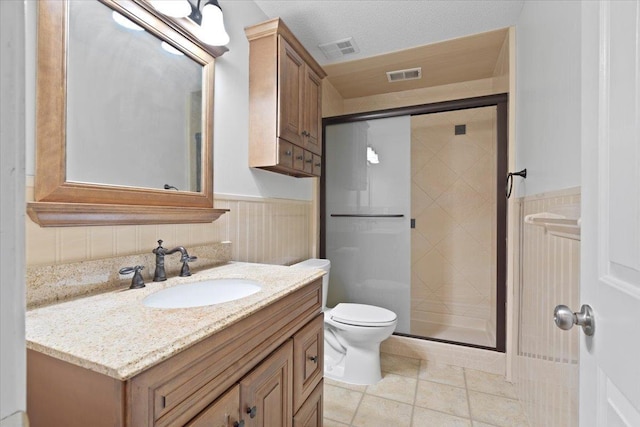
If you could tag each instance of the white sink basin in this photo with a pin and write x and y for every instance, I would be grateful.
(203, 293)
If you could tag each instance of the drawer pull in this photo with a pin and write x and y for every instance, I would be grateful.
(314, 359)
(318, 165)
(299, 158)
(252, 412)
(287, 153)
(239, 423)
(308, 160)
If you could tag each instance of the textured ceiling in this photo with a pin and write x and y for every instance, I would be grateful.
(379, 27)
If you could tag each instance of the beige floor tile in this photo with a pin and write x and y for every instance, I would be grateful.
(441, 373)
(378, 412)
(340, 404)
(489, 383)
(496, 410)
(354, 387)
(442, 397)
(426, 417)
(330, 423)
(395, 387)
(399, 365)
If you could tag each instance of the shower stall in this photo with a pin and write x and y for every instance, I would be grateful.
(414, 217)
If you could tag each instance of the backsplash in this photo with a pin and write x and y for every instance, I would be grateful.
(50, 284)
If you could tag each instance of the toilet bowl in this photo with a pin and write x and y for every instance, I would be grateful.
(352, 335)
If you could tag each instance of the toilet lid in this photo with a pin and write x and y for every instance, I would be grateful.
(362, 315)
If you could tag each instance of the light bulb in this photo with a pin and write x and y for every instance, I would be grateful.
(126, 22)
(174, 8)
(212, 28)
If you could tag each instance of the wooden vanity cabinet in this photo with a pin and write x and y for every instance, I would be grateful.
(285, 100)
(271, 360)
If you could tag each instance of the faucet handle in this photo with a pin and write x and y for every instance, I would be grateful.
(137, 281)
(184, 271)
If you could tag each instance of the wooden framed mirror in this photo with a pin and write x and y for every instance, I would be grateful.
(124, 116)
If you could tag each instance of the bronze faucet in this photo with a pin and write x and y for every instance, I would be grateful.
(160, 275)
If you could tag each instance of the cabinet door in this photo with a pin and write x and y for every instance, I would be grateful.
(224, 412)
(312, 123)
(266, 392)
(308, 360)
(291, 77)
(310, 414)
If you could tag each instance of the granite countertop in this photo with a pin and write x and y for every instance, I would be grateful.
(116, 335)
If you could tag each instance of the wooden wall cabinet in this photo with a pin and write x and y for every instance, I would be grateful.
(263, 371)
(285, 102)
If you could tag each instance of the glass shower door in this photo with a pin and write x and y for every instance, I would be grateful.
(368, 203)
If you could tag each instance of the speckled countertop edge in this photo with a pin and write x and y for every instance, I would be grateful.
(116, 335)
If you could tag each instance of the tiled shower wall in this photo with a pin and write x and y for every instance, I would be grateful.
(271, 231)
(546, 360)
(453, 200)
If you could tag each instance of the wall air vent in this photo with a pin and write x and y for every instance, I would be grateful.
(402, 75)
(339, 48)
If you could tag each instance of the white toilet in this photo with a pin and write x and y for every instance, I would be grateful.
(352, 335)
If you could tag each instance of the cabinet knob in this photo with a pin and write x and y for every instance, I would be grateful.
(252, 412)
(309, 160)
(299, 157)
(305, 133)
(314, 359)
(287, 153)
(239, 423)
(318, 164)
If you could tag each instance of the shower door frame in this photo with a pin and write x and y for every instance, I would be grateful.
(500, 101)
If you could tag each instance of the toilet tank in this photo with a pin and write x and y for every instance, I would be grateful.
(320, 264)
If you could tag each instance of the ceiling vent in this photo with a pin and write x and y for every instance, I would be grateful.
(402, 75)
(339, 48)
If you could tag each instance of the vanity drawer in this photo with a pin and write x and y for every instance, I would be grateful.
(308, 360)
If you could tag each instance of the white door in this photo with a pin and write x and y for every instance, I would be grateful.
(610, 272)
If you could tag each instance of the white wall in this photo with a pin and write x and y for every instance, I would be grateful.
(232, 174)
(548, 101)
(12, 270)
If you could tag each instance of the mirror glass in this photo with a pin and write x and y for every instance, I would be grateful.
(134, 105)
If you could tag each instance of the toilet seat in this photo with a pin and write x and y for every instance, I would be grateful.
(362, 315)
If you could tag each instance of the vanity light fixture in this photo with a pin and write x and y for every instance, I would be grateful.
(173, 8)
(206, 13)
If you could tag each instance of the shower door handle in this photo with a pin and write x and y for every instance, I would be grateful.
(565, 318)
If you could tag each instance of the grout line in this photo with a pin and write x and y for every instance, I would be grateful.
(415, 394)
(466, 388)
(353, 417)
